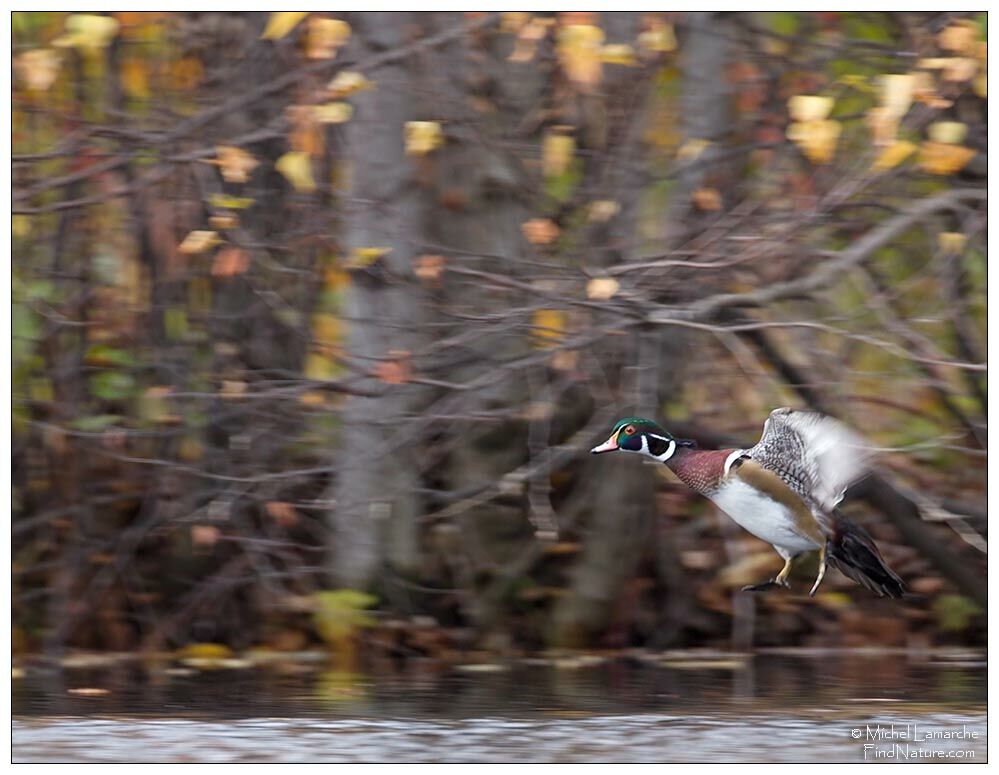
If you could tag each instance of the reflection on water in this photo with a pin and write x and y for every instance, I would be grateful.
(769, 707)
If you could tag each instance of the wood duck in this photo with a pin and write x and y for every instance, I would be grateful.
(784, 490)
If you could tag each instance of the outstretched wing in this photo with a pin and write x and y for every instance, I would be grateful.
(818, 457)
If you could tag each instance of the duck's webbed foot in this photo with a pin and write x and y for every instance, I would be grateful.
(763, 585)
(779, 581)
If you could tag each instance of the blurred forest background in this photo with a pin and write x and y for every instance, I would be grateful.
(315, 318)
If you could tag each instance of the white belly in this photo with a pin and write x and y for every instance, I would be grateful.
(763, 517)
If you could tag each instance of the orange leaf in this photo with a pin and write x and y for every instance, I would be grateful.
(707, 199)
(429, 269)
(396, 371)
(540, 231)
(230, 261)
(282, 513)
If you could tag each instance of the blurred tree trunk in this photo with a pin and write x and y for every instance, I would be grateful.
(623, 493)
(376, 493)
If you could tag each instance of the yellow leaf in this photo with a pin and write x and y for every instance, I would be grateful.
(422, 137)
(618, 54)
(894, 155)
(896, 93)
(579, 53)
(318, 367)
(960, 69)
(236, 164)
(326, 36)
(366, 256)
(602, 288)
(228, 202)
(512, 21)
(883, 124)
(603, 210)
(809, 107)
(232, 388)
(817, 139)
(949, 132)
(951, 241)
(135, 78)
(348, 82)
(334, 112)
(659, 38)
(557, 151)
(297, 168)
(198, 242)
(548, 326)
(691, 149)
(326, 328)
(943, 158)
(312, 398)
(981, 85)
(88, 31)
(281, 23)
(38, 68)
(960, 36)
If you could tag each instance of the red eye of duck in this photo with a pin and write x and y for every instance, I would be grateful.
(629, 430)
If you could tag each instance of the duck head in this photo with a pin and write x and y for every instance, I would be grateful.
(644, 437)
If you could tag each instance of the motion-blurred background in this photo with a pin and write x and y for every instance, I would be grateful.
(316, 316)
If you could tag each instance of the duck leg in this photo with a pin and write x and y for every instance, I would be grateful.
(822, 570)
(779, 581)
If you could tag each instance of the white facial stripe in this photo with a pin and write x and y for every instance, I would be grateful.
(656, 436)
(645, 445)
(668, 453)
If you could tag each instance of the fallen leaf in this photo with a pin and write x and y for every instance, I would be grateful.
(281, 23)
(89, 691)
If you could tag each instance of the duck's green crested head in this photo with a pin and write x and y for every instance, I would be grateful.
(643, 436)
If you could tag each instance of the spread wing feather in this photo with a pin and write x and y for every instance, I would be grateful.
(818, 457)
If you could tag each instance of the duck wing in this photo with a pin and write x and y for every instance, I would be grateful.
(816, 456)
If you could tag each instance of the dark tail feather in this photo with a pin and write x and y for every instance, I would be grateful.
(852, 551)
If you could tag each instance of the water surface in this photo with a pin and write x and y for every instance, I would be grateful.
(770, 707)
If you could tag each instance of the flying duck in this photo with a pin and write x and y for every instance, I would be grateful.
(784, 490)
